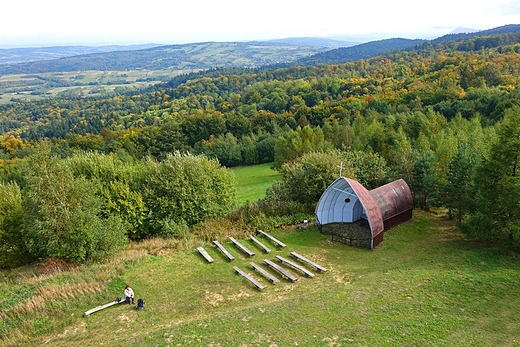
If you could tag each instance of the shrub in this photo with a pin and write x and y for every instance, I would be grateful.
(62, 214)
(187, 187)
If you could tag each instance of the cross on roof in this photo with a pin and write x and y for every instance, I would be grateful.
(341, 169)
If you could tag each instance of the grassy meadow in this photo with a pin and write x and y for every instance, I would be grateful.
(426, 285)
(253, 181)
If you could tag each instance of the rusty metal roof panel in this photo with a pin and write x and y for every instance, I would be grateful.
(372, 210)
(393, 199)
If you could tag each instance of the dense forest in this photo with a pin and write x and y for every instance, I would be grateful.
(443, 115)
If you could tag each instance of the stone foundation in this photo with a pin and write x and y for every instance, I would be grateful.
(357, 234)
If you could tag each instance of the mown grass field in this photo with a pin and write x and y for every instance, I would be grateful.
(253, 181)
(426, 285)
(22, 86)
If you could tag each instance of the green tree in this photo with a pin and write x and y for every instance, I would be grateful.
(424, 181)
(306, 178)
(339, 133)
(401, 157)
(224, 147)
(249, 150)
(201, 126)
(62, 214)
(12, 244)
(128, 205)
(496, 213)
(119, 188)
(186, 189)
(295, 143)
(369, 168)
(265, 148)
(458, 187)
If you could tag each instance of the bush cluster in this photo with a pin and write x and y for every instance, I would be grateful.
(86, 207)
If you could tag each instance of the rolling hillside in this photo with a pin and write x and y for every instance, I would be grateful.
(374, 48)
(204, 55)
(207, 55)
(27, 54)
(362, 51)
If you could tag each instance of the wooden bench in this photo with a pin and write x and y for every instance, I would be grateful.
(101, 307)
(260, 244)
(264, 273)
(242, 247)
(281, 270)
(219, 246)
(310, 262)
(205, 254)
(257, 284)
(296, 266)
(279, 243)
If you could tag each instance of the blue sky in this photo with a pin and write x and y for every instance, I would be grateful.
(59, 22)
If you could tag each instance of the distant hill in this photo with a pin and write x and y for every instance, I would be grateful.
(462, 30)
(506, 29)
(315, 41)
(203, 55)
(23, 55)
(374, 48)
(362, 51)
(504, 35)
(208, 55)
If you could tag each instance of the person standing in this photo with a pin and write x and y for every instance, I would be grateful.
(129, 295)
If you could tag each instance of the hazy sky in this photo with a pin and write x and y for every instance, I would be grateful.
(44, 22)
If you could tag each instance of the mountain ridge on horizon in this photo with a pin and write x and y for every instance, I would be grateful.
(463, 30)
(147, 56)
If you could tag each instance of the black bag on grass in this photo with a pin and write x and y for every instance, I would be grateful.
(140, 304)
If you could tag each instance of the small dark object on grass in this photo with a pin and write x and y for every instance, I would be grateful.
(303, 226)
(140, 304)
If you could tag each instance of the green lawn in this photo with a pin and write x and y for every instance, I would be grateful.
(253, 181)
(426, 285)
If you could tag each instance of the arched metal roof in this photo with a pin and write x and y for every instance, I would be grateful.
(393, 198)
(346, 201)
(372, 210)
(332, 208)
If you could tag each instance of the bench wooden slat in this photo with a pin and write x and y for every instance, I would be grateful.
(281, 270)
(266, 274)
(242, 247)
(225, 251)
(278, 242)
(257, 284)
(296, 266)
(302, 258)
(260, 244)
(205, 254)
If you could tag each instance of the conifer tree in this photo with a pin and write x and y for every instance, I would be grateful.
(496, 215)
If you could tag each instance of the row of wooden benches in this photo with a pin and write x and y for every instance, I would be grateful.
(283, 272)
(241, 246)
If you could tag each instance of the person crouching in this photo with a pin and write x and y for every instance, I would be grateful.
(129, 295)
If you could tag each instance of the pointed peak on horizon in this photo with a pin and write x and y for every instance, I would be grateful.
(462, 30)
